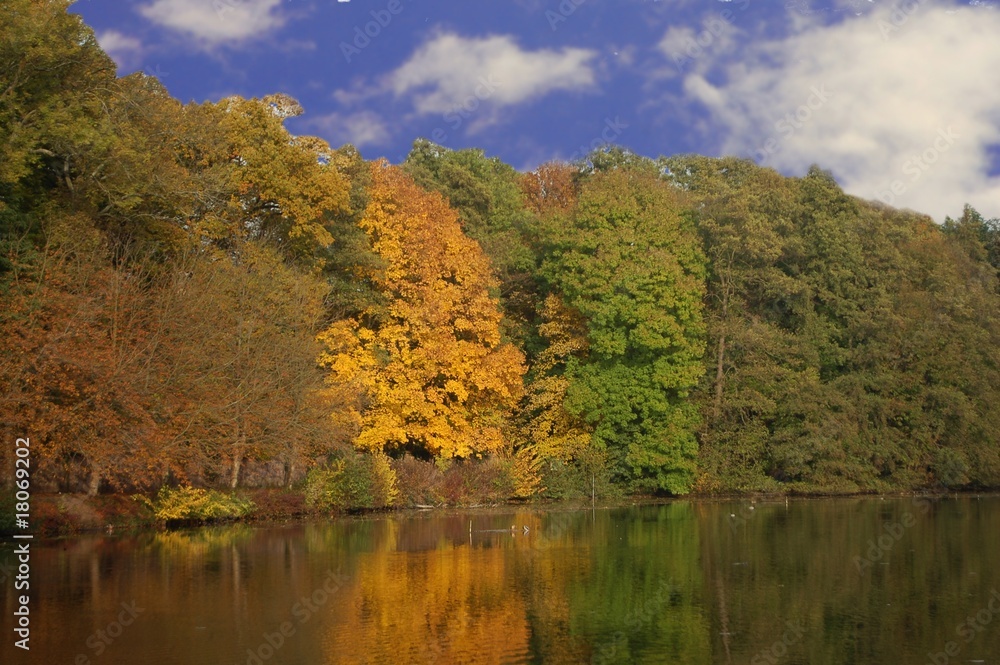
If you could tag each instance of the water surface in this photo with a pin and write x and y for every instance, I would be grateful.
(809, 581)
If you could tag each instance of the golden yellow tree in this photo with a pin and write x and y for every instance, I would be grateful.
(436, 374)
(549, 430)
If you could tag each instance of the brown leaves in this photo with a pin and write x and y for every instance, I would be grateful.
(550, 189)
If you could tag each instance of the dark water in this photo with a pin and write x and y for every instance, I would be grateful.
(686, 582)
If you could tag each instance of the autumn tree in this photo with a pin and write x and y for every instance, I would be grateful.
(437, 376)
(549, 431)
(53, 90)
(285, 187)
(74, 360)
(551, 188)
(236, 360)
(486, 194)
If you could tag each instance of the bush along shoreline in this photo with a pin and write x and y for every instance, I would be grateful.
(339, 491)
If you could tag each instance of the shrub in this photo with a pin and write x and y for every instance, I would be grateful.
(419, 481)
(277, 504)
(360, 481)
(465, 482)
(188, 504)
(475, 482)
(579, 478)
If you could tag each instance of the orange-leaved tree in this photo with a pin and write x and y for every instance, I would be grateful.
(437, 376)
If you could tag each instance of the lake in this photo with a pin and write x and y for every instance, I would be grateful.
(852, 580)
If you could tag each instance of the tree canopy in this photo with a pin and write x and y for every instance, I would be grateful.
(192, 294)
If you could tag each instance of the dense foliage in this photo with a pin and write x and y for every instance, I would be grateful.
(193, 296)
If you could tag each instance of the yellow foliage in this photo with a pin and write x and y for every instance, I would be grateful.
(525, 472)
(283, 185)
(189, 503)
(551, 432)
(434, 369)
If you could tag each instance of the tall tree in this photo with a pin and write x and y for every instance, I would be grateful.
(438, 377)
(629, 261)
(486, 194)
(237, 368)
(54, 82)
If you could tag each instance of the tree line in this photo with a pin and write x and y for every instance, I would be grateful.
(193, 295)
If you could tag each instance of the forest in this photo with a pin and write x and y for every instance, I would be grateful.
(193, 297)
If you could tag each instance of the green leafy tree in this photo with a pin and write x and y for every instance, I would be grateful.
(629, 261)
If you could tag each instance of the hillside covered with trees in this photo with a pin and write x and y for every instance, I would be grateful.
(191, 295)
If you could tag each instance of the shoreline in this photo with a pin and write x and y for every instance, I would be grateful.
(66, 515)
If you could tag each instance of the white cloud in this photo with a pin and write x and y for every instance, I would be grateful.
(449, 70)
(359, 129)
(676, 40)
(124, 50)
(215, 22)
(872, 99)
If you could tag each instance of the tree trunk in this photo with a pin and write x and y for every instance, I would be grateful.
(239, 439)
(237, 463)
(94, 483)
(719, 375)
(720, 363)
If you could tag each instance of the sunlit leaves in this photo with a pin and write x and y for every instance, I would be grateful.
(435, 371)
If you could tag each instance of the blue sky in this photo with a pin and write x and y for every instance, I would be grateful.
(900, 100)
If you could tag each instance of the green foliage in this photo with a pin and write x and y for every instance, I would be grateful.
(980, 237)
(182, 504)
(361, 481)
(486, 195)
(55, 79)
(351, 264)
(629, 262)
(612, 158)
(843, 337)
(588, 475)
